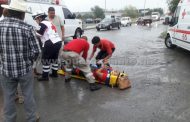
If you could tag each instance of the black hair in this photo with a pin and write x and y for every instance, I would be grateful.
(51, 9)
(16, 14)
(95, 40)
(43, 17)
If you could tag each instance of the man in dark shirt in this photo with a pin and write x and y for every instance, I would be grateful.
(72, 54)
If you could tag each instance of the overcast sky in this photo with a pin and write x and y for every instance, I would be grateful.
(85, 5)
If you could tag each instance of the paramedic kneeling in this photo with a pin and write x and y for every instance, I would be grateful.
(71, 53)
(106, 49)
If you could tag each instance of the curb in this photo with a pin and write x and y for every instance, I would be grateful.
(90, 27)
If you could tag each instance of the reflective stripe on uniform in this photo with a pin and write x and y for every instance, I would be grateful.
(46, 68)
(55, 66)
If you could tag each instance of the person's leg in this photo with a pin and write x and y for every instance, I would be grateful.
(67, 57)
(101, 55)
(9, 87)
(26, 83)
(46, 60)
(35, 65)
(107, 62)
(54, 58)
(82, 65)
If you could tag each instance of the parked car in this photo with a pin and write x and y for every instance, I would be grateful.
(139, 21)
(89, 20)
(155, 16)
(162, 18)
(167, 20)
(125, 21)
(97, 20)
(108, 23)
(144, 20)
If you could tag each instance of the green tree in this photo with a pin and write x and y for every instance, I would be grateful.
(98, 12)
(87, 15)
(79, 16)
(172, 4)
(131, 11)
(160, 10)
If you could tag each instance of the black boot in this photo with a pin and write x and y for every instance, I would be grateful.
(94, 87)
(54, 74)
(44, 77)
(67, 80)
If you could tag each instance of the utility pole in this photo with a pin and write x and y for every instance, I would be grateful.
(144, 6)
(105, 6)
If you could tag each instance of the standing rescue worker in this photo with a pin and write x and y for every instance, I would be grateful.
(51, 44)
(55, 20)
(71, 53)
(106, 49)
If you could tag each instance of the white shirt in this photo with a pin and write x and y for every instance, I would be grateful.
(1, 18)
(50, 33)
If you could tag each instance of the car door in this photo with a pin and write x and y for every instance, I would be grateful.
(113, 22)
(183, 27)
(70, 22)
(175, 26)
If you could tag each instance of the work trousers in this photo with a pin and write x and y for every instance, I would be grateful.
(74, 59)
(50, 54)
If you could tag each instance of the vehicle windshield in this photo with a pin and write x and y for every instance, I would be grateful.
(106, 20)
(154, 13)
(123, 18)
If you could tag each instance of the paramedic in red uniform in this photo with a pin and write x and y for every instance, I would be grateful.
(72, 54)
(106, 49)
(51, 44)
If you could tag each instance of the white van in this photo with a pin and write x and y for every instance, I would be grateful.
(179, 31)
(125, 21)
(73, 27)
(155, 16)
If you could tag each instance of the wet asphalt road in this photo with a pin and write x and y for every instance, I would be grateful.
(160, 84)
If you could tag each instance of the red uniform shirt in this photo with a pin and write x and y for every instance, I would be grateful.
(78, 46)
(105, 45)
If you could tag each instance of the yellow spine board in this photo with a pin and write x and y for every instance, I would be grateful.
(112, 83)
(61, 72)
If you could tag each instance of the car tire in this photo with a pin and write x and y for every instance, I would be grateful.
(109, 27)
(77, 33)
(168, 43)
(98, 29)
(118, 26)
